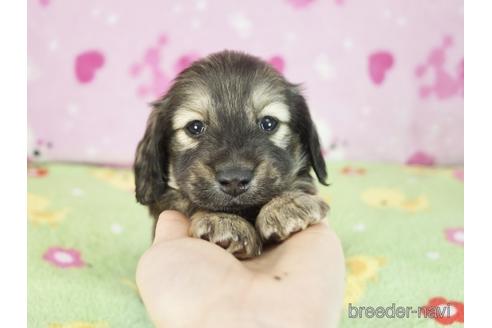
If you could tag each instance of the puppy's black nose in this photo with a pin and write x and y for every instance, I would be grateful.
(234, 181)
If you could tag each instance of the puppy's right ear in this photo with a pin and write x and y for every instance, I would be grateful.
(150, 166)
(309, 136)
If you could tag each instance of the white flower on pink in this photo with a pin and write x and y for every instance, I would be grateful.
(63, 257)
(455, 235)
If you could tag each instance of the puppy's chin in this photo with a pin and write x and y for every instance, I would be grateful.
(216, 200)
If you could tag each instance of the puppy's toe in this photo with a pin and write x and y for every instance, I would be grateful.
(229, 231)
(247, 247)
(288, 214)
(273, 227)
(224, 243)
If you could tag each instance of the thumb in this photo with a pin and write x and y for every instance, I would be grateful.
(171, 225)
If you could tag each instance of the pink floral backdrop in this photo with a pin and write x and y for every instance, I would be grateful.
(383, 78)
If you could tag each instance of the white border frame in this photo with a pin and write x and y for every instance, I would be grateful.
(478, 160)
(13, 122)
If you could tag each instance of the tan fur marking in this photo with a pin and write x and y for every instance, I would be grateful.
(198, 98)
(278, 110)
(172, 178)
(197, 105)
(281, 136)
(265, 94)
(184, 116)
(185, 141)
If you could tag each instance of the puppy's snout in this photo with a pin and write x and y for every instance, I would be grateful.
(234, 181)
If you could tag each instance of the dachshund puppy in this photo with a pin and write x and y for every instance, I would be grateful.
(231, 145)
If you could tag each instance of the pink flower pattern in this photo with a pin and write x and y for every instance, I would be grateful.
(63, 257)
(459, 174)
(455, 235)
(401, 77)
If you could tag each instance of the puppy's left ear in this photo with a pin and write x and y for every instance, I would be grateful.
(309, 137)
(150, 166)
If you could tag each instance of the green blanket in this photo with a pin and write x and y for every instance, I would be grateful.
(401, 229)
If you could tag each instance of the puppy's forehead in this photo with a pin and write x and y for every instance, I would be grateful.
(231, 99)
(230, 86)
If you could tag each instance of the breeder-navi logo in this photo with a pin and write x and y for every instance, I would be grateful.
(399, 312)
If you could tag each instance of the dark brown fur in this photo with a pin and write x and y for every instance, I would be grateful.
(230, 91)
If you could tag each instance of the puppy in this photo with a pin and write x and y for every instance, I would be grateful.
(231, 145)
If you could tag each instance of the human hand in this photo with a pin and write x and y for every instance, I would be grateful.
(188, 282)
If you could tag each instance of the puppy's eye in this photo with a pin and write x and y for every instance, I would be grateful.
(195, 127)
(268, 124)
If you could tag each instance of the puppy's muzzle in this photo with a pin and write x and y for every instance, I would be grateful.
(234, 181)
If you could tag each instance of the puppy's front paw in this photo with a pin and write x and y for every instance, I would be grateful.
(289, 213)
(229, 231)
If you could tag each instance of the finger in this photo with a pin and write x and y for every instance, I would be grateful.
(316, 247)
(316, 240)
(171, 225)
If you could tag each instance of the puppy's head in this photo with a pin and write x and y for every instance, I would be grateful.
(230, 134)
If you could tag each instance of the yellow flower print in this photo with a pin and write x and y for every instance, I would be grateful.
(79, 324)
(36, 202)
(364, 268)
(414, 205)
(360, 271)
(119, 178)
(38, 211)
(354, 290)
(383, 197)
(394, 198)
